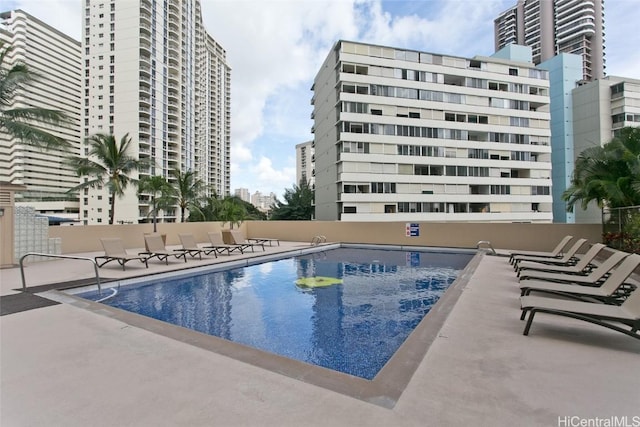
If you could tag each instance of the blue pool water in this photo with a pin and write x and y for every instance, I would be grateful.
(353, 327)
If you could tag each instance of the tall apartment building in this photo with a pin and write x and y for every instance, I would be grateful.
(402, 135)
(305, 163)
(601, 108)
(550, 27)
(152, 71)
(56, 60)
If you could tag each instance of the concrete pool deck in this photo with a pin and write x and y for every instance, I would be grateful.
(66, 366)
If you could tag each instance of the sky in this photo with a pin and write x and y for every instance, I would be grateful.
(275, 48)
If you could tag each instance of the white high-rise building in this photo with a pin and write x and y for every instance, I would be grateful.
(263, 202)
(550, 27)
(243, 194)
(600, 109)
(304, 163)
(402, 135)
(151, 71)
(55, 60)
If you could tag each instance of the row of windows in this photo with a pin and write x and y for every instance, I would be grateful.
(428, 77)
(440, 170)
(429, 95)
(435, 207)
(390, 187)
(435, 133)
(440, 151)
(363, 108)
(619, 118)
(427, 58)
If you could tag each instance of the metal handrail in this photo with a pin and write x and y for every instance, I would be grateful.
(488, 243)
(317, 240)
(95, 266)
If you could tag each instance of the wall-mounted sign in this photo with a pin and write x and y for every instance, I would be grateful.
(412, 229)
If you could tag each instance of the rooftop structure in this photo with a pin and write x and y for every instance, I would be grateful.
(116, 369)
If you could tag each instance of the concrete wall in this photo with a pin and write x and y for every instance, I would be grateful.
(460, 235)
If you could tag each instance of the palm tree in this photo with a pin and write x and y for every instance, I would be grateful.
(232, 211)
(188, 191)
(207, 210)
(108, 164)
(162, 195)
(609, 174)
(25, 123)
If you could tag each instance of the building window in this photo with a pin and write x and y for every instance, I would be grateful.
(617, 89)
(349, 209)
(383, 187)
(500, 189)
(540, 191)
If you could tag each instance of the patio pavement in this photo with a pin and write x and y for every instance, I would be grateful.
(63, 365)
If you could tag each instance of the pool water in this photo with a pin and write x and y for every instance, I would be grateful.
(368, 303)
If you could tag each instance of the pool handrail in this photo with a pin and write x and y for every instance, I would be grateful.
(318, 239)
(95, 266)
(486, 243)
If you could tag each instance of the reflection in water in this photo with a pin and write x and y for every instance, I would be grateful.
(354, 327)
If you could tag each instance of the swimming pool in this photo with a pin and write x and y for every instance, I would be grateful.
(345, 309)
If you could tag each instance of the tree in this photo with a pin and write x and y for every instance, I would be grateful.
(206, 211)
(608, 175)
(107, 164)
(297, 205)
(188, 191)
(25, 123)
(229, 209)
(252, 212)
(162, 195)
(232, 210)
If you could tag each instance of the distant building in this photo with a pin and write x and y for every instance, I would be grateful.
(305, 163)
(550, 27)
(243, 194)
(262, 201)
(600, 109)
(153, 72)
(55, 59)
(402, 135)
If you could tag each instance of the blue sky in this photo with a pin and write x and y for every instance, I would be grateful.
(275, 48)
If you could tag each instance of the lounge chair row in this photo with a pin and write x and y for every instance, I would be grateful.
(600, 293)
(155, 248)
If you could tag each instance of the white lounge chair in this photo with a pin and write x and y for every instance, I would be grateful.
(114, 251)
(156, 249)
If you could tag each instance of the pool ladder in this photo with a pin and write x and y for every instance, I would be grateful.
(317, 240)
(486, 243)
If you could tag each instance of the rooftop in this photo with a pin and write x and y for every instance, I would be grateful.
(74, 365)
